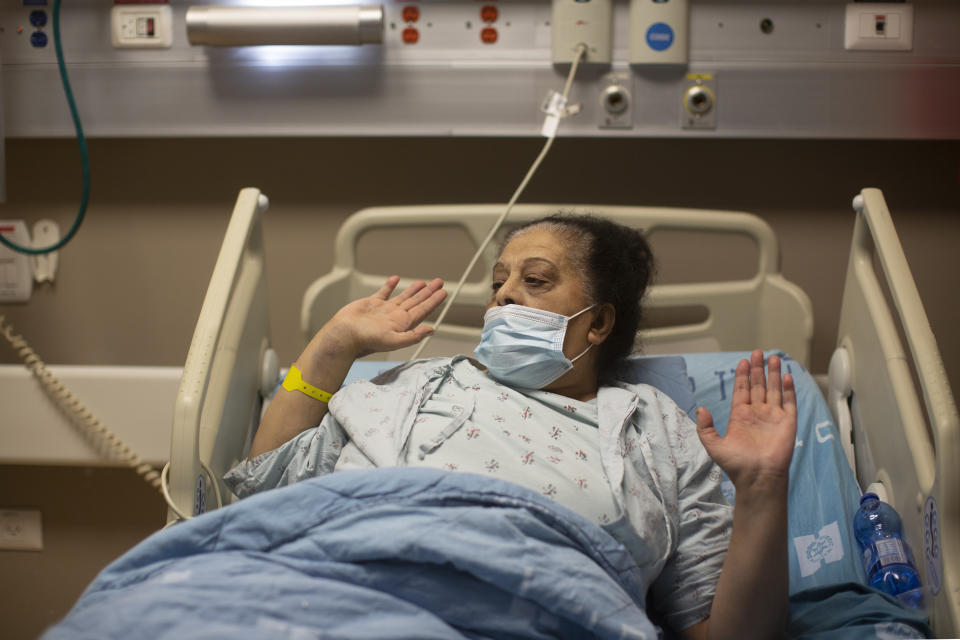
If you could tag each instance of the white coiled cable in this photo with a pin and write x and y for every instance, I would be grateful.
(105, 441)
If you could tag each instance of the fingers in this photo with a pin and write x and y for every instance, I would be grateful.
(402, 339)
(417, 292)
(705, 429)
(408, 293)
(741, 384)
(424, 301)
(789, 395)
(752, 385)
(774, 388)
(384, 292)
(758, 381)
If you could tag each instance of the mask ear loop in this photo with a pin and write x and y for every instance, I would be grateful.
(584, 310)
(581, 353)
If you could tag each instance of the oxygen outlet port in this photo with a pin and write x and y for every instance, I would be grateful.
(698, 100)
(616, 100)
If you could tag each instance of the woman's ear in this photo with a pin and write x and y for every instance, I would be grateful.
(602, 324)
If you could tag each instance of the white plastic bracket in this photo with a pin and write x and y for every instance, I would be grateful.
(269, 371)
(45, 234)
(840, 384)
(555, 106)
(880, 490)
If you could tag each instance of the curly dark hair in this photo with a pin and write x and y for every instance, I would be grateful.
(617, 266)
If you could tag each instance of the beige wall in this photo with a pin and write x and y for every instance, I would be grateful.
(89, 517)
(131, 283)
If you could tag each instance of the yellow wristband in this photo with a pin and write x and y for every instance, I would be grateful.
(293, 382)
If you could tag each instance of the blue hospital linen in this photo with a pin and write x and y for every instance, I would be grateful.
(383, 554)
(823, 495)
(672, 516)
(828, 596)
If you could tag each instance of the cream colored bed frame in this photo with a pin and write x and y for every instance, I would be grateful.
(230, 365)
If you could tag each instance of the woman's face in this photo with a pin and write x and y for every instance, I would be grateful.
(534, 271)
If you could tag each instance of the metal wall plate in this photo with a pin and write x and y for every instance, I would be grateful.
(698, 104)
(616, 103)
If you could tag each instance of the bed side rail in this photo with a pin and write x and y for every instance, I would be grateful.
(229, 358)
(763, 311)
(905, 438)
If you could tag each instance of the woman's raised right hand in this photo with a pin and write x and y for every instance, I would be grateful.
(381, 323)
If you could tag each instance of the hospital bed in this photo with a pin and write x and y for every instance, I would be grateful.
(896, 421)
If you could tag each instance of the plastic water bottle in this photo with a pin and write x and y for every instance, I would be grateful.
(886, 557)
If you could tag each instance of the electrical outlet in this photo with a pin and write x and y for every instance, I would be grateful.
(20, 530)
(878, 26)
(16, 276)
(141, 26)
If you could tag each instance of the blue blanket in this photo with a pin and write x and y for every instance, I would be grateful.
(431, 554)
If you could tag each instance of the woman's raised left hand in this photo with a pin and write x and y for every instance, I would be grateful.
(756, 450)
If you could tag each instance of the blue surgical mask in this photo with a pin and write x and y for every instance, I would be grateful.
(523, 347)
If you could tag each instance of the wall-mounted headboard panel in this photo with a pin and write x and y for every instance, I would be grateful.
(775, 68)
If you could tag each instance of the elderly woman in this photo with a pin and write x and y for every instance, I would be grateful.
(538, 407)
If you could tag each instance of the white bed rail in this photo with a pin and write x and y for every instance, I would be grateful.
(228, 365)
(764, 311)
(907, 437)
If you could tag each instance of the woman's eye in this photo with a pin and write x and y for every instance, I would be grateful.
(531, 280)
(496, 285)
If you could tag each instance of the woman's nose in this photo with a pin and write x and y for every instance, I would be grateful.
(507, 294)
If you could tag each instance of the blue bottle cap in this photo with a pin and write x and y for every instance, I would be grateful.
(868, 496)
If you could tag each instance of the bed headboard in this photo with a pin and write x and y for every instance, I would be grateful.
(230, 364)
(764, 310)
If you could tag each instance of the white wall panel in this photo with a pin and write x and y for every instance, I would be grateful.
(797, 81)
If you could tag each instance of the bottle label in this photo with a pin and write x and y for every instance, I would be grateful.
(890, 551)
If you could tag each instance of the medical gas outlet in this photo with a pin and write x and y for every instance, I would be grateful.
(616, 103)
(699, 102)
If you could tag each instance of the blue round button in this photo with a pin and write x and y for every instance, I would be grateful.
(38, 39)
(659, 36)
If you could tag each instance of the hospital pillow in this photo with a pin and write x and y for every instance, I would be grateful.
(823, 495)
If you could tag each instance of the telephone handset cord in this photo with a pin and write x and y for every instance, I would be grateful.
(105, 441)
